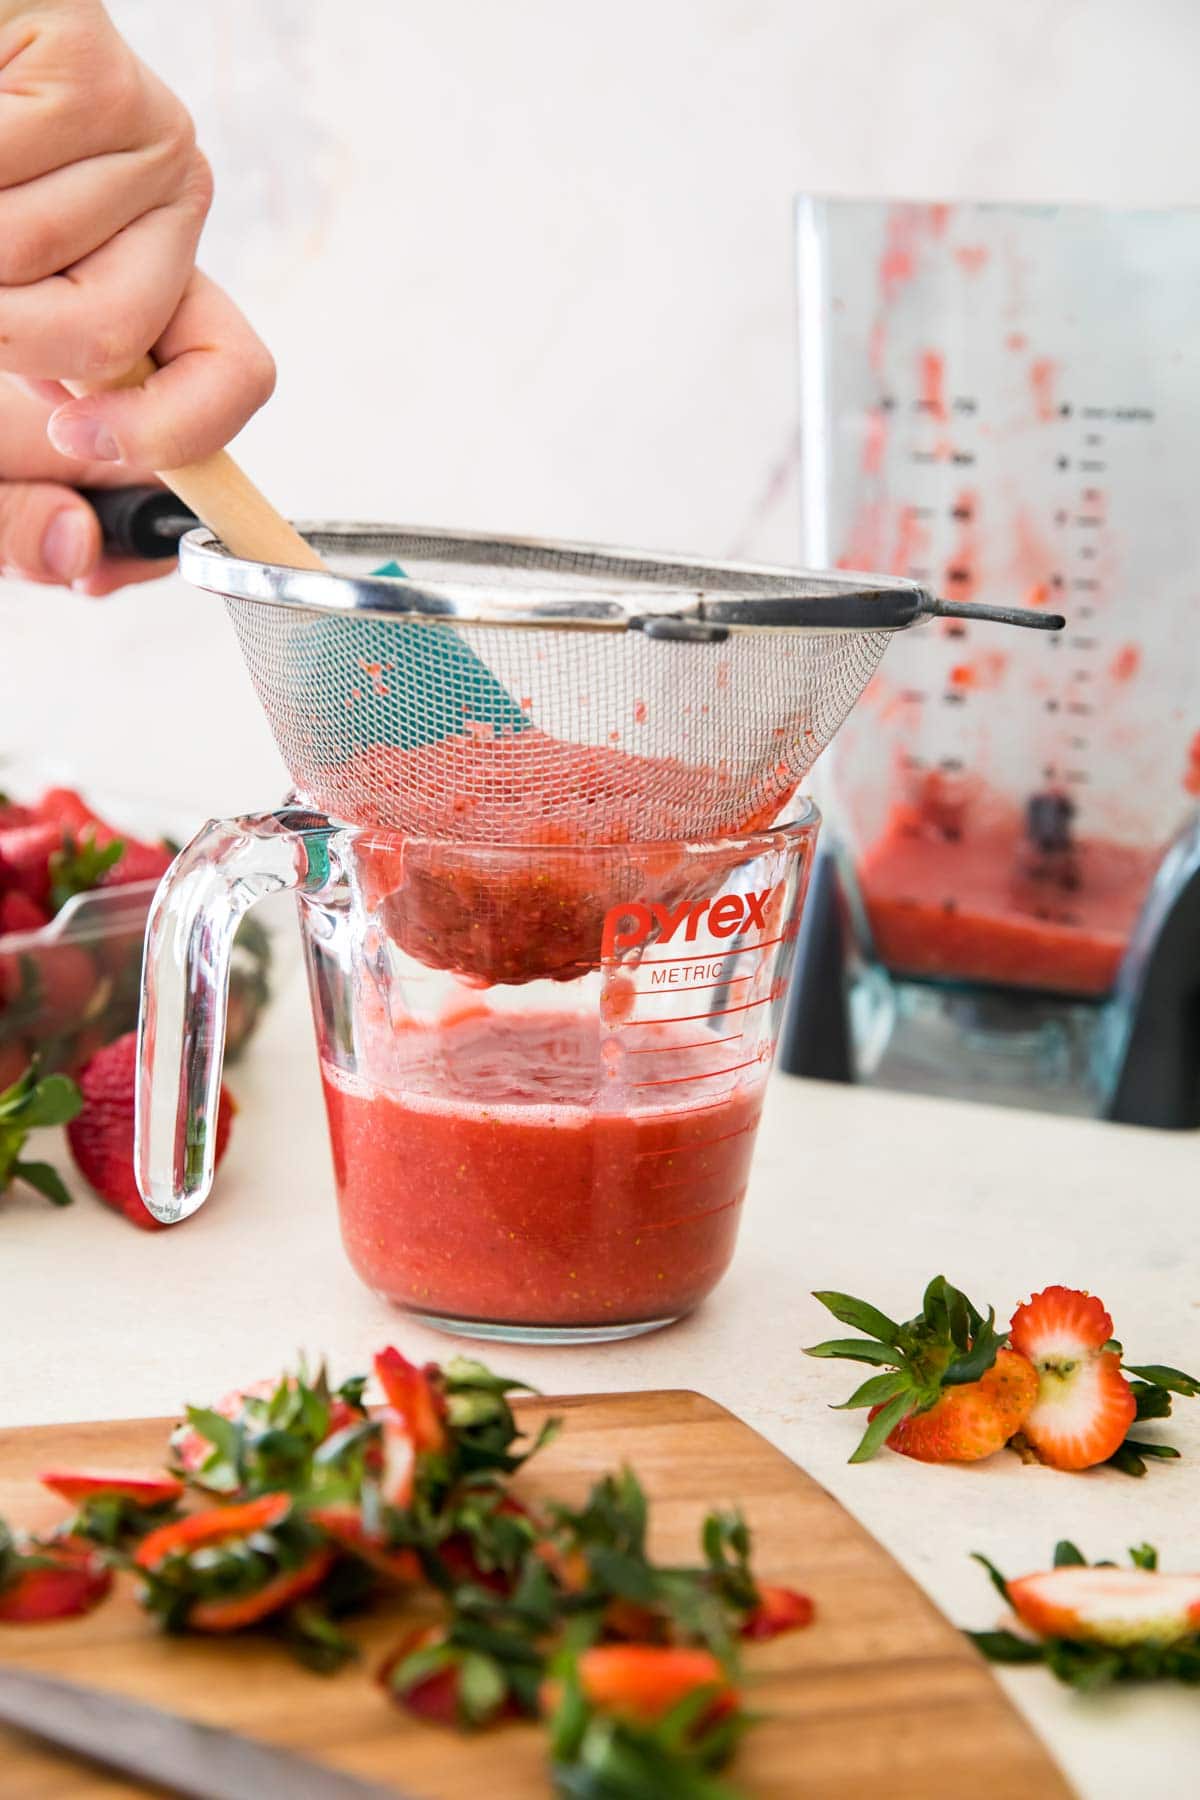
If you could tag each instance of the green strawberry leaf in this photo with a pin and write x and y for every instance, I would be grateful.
(46, 1180)
(976, 1361)
(1143, 1556)
(1006, 1647)
(52, 1101)
(79, 866)
(855, 1350)
(861, 1316)
(875, 1390)
(1068, 1555)
(882, 1425)
(1161, 1376)
(994, 1576)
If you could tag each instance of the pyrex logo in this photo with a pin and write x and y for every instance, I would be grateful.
(631, 924)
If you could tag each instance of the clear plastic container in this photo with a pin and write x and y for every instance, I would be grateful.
(73, 985)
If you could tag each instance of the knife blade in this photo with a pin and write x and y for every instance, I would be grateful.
(185, 1756)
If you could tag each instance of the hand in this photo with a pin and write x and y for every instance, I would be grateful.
(48, 532)
(103, 194)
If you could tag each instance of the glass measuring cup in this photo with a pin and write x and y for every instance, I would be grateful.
(543, 1066)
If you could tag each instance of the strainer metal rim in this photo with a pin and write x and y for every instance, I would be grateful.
(765, 598)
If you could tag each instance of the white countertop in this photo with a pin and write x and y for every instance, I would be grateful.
(870, 1193)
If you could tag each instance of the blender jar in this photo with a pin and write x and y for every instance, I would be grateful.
(1004, 402)
(543, 1066)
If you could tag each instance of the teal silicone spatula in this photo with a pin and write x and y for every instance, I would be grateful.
(455, 687)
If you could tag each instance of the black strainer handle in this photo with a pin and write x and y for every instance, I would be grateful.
(140, 521)
(881, 610)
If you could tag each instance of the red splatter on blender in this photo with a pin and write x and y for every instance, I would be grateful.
(1004, 402)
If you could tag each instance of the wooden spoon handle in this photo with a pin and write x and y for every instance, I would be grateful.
(223, 496)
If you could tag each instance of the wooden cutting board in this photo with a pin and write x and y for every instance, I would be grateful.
(881, 1695)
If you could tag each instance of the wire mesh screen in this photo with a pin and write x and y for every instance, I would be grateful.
(545, 734)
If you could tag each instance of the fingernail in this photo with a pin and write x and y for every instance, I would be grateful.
(69, 544)
(86, 439)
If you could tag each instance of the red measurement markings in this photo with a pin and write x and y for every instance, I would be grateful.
(670, 1049)
(710, 1075)
(654, 962)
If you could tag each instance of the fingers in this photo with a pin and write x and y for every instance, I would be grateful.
(47, 533)
(113, 572)
(26, 453)
(215, 375)
(51, 55)
(50, 224)
(93, 322)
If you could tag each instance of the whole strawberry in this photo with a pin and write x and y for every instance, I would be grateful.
(101, 1135)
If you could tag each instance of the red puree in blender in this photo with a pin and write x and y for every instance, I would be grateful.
(479, 1183)
(969, 898)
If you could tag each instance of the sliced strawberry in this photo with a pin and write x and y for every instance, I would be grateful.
(101, 1136)
(645, 1681)
(212, 1526)
(411, 1392)
(247, 1609)
(25, 852)
(13, 813)
(1085, 1405)
(345, 1526)
(19, 913)
(79, 1485)
(779, 1609)
(973, 1420)
(1108, 1606)
(53, 1581)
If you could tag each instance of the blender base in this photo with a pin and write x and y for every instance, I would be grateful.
(539, 1334)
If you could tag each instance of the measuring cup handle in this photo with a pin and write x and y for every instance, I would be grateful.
(226, 869)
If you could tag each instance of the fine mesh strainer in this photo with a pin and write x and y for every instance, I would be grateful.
(518, 691)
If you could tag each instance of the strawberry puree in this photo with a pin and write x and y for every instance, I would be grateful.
(508, 1172)
(958, 897)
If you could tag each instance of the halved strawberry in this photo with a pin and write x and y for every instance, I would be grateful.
(144, 1489)
(953, 1393)
(1084, 1404)
(1108, 1605)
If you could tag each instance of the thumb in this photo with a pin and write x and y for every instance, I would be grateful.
(47, 532)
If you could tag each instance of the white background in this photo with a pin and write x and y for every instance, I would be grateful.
(528, 265)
